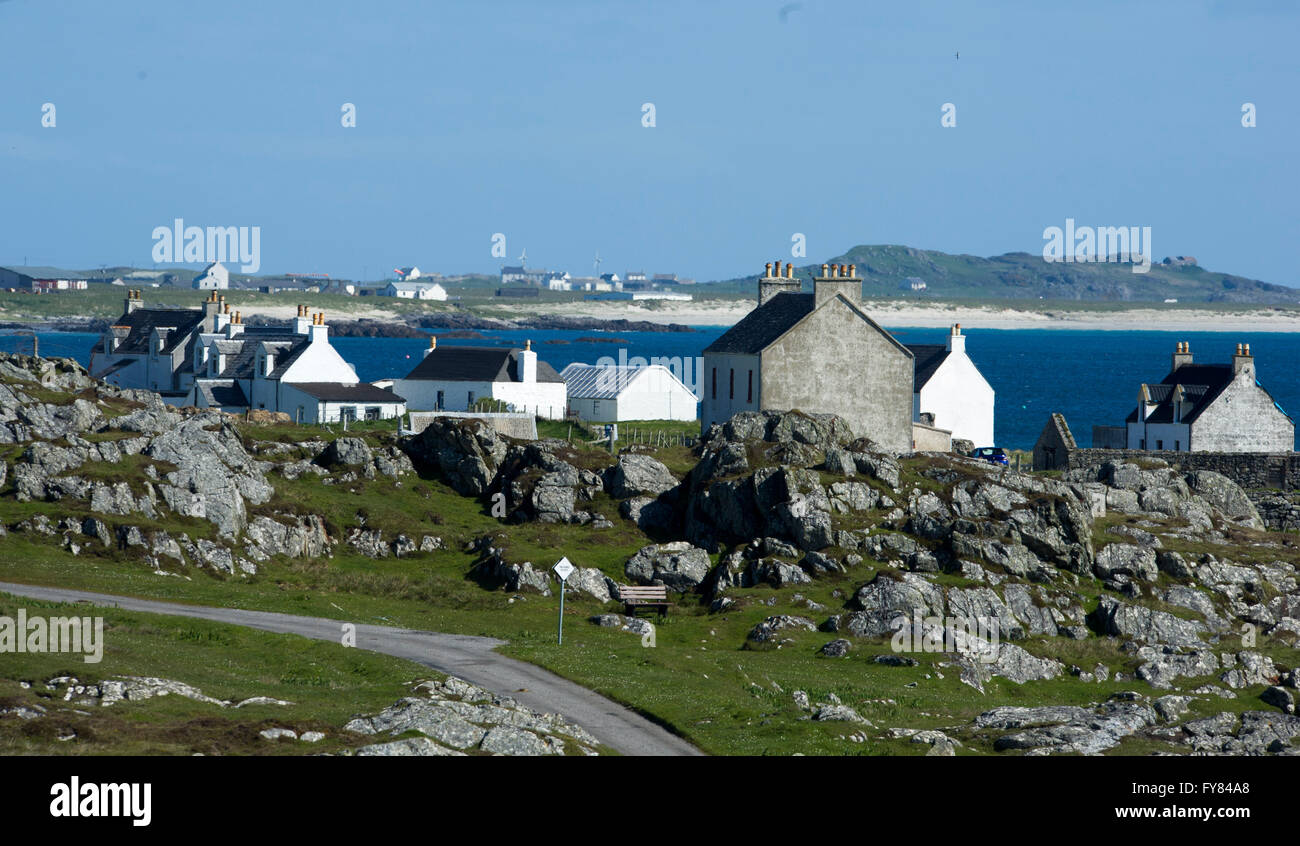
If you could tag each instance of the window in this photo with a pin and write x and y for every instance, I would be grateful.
(731, 385)
(348, 413)
(715, 383)
(441, 399)
(750, 397)
(595, 409)
(372, 412)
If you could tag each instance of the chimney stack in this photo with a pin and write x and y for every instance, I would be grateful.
(318, 331)
(433, 344)
(1182, 355)
(132, 301)
(774, 283)
(837, 280)
(527, 363)
(1243, 361)
(956, 340)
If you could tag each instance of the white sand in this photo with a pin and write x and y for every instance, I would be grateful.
(938, 315)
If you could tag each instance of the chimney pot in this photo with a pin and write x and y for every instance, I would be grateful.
(789, 270)
(433, 342)
(826, 268)
(767, 270)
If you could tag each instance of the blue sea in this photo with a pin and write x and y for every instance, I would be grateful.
(1091, 376)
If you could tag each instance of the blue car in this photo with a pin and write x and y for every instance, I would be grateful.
(993, 455)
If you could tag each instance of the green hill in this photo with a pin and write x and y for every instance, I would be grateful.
(888, 268)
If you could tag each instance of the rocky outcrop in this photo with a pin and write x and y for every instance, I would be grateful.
(455, 717)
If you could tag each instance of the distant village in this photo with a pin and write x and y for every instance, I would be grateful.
(817, 351)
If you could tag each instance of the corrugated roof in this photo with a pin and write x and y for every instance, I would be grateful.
(599, 381)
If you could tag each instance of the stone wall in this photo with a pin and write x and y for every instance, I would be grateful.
(1280, 512)
(1277, 470)
(522, 426)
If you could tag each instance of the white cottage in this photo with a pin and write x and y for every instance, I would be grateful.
(454, 378)
(292, 369)
(415, 291)
(613, 394)
(950, 393)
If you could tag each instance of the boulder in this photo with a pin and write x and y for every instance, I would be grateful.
(678, 566)
(346, 452)
(638, 475)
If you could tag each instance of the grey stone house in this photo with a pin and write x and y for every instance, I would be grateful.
(818, 353)
(1052, 450)
(1209, 408)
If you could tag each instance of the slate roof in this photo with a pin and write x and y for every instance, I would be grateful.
(143, 321)
(222, 393)
(339, 392)
(598, 381)
(477, 364)
(758, 329)
(1202, 384)
(928, 358)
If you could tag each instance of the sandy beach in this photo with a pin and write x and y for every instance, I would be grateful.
(938, 315)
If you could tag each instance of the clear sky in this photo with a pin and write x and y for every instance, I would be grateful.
(525, 118)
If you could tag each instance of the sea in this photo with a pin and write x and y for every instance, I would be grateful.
(1091, 376)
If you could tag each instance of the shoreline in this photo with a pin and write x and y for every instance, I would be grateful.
(622, 316)
(941, 316)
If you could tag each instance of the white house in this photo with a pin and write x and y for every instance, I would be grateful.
(293, 369)
(1209, 408)
(949, 392)
(612, 394)
(454, 378)
(407, 274)
(214, 277)
(414, 291)
(151, 348)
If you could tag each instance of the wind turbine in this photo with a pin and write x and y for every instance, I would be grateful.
(596, 263)
(523, 257)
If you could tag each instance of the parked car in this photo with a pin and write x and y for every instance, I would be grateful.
(993, 455)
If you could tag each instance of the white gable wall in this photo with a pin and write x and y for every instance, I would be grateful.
(960, 399)
(544, 399)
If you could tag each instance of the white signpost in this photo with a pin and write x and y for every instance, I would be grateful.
(562, 569)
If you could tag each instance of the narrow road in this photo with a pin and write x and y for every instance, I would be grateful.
(463, 656)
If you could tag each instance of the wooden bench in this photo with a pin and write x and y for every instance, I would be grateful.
(651, 596)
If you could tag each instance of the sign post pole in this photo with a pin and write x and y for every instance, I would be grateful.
(562, 569)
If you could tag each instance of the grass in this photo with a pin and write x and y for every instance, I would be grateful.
(328, 684)
(699, 680)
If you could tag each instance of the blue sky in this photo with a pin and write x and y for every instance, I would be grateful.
(525, 118)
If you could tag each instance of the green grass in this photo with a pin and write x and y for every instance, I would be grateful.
(327, 682)
(699, 680)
